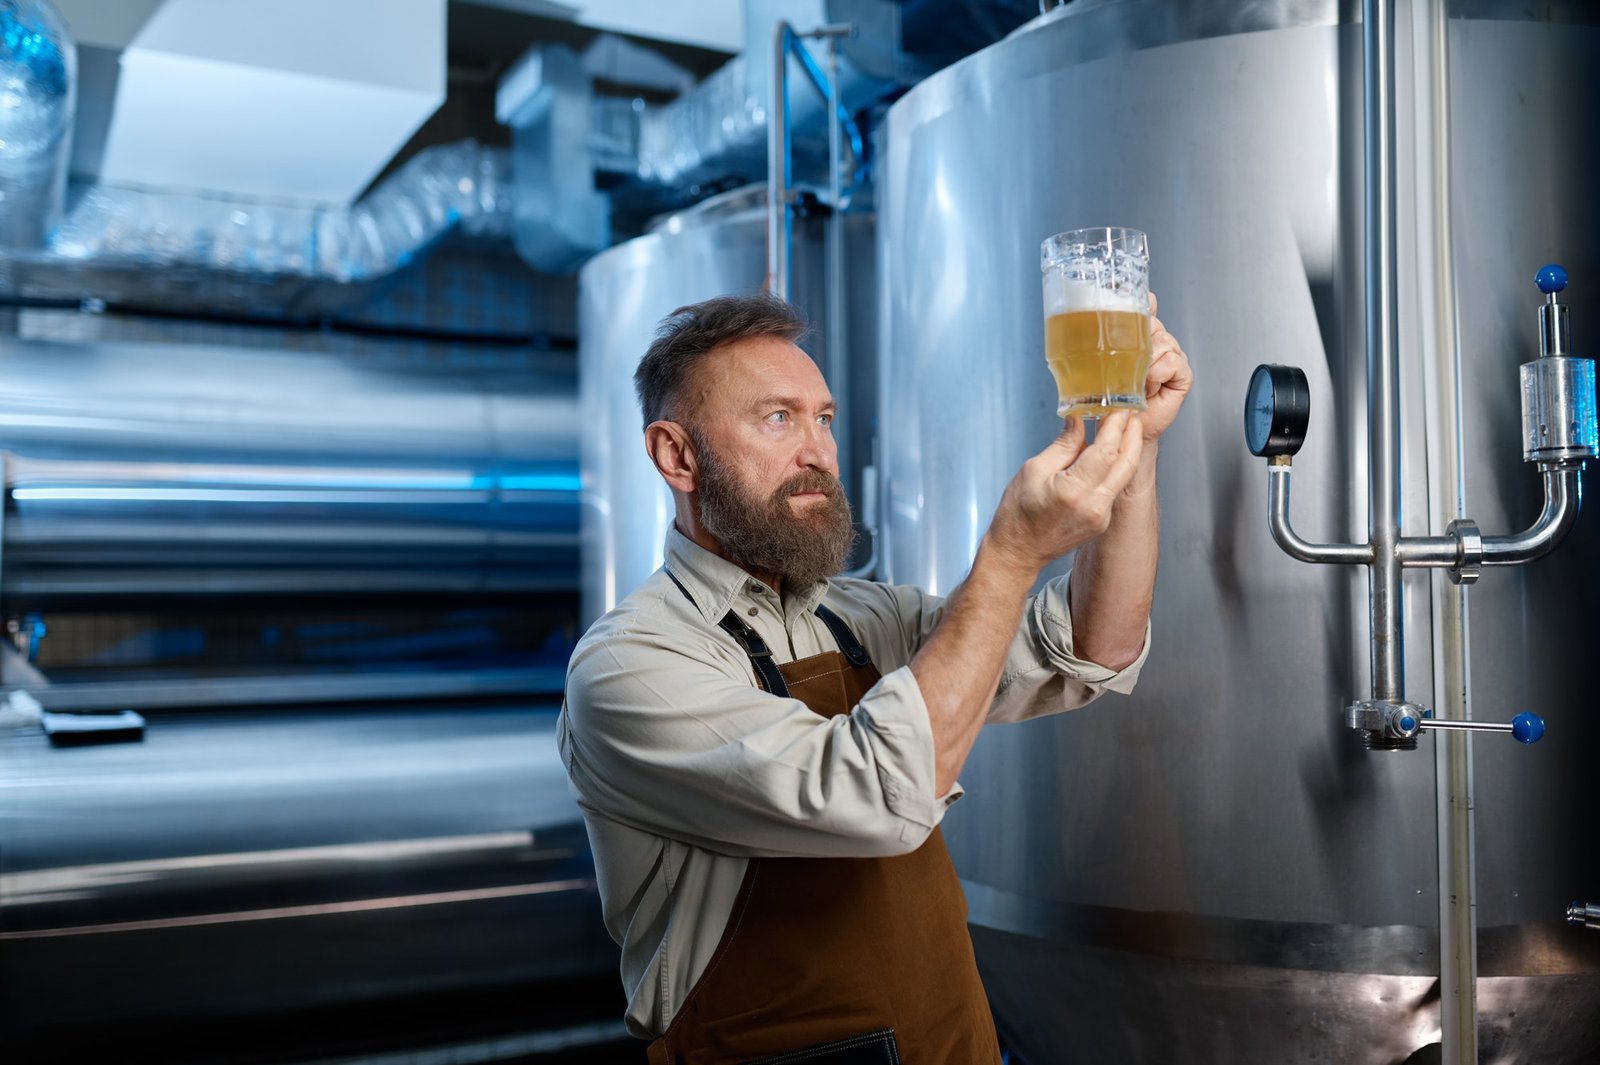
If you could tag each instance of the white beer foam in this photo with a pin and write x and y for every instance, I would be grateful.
(1062, 296)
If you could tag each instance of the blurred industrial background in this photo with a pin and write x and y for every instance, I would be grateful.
(319, 451)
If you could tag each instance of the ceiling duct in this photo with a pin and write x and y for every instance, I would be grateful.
(651, 159)
(174, 250)
(232, 250)
(546, 100)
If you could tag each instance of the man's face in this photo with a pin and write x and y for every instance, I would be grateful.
(768, 468)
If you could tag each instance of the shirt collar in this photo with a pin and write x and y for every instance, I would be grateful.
(713, 582)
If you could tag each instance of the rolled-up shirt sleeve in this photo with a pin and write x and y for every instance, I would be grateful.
(680, 743)
(1042, 673)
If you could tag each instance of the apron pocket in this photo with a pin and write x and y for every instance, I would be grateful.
(878, 1048)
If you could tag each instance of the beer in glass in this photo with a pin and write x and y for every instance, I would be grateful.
(1097, 318)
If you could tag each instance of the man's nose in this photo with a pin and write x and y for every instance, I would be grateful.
(818, 450)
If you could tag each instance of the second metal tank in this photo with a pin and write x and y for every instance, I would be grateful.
(1213, 869)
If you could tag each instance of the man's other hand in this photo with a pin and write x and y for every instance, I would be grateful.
(1167, 384)
(1063, 496)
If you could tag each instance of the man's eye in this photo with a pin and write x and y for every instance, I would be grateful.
(825, 419)
(778, 417)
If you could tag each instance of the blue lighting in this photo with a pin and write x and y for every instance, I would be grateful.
(28, 44)
(541, 482)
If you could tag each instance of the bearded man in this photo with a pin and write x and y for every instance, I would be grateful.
(763, 752)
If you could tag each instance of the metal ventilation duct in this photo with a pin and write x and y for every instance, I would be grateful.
(715, 134)
(462, 184)
(219, 253)
(560, 218)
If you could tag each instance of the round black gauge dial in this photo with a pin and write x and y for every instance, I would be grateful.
(1277, 408)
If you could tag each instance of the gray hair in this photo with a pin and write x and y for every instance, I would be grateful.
(687, 335)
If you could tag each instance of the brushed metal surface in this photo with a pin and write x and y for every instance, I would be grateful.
(138, 471)
(246, 864)
(1225, 799)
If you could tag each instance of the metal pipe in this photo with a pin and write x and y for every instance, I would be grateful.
(1383, 362)
(778, 219)
(834, 275)
(780, 234)
(1305, 551)
(1438, 552)
(868, 570)
(1465, 726)
(819, 81)
(1453, 783)
(1561, 504)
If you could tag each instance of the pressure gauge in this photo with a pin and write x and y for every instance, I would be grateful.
(1277, 408)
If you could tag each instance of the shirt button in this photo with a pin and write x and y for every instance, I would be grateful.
(752, 611)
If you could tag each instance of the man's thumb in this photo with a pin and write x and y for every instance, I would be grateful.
(1071, 439)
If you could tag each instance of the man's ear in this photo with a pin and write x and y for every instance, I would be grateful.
(670, 448)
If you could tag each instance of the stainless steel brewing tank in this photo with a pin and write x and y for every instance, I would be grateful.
(135, 471)
(1212, 870)
(717, 248)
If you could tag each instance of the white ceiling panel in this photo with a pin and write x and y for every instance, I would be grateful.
(298, 100)
(106, 23)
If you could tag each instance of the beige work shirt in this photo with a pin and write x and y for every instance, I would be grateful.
(684, 768)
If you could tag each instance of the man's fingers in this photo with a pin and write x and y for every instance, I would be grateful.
(1065, 448)
(1127, 460)
(1095, 461)
(1165, 367)
(1107, 466)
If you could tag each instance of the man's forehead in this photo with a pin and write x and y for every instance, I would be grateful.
(744, 370)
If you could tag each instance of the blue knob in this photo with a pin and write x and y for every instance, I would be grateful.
(1527, 728)
(1407, 723)
(1551, 278)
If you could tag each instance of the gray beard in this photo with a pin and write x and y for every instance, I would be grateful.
(766, 537)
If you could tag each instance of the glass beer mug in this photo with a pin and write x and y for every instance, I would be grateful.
(1097, 318)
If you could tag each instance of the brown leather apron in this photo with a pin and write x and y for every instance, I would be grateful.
(822, 957)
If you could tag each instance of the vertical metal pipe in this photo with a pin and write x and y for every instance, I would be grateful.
(1383, 363)
(778, 165)
(835, 287)
(1453, 786)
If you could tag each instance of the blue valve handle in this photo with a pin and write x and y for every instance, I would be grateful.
(1525, 727)
(1551, 278)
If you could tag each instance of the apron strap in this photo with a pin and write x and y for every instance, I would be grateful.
(752, 643)
(761, 655)
(851, 647)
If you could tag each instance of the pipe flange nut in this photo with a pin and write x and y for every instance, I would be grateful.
(1395, 721)
(1469, 551)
